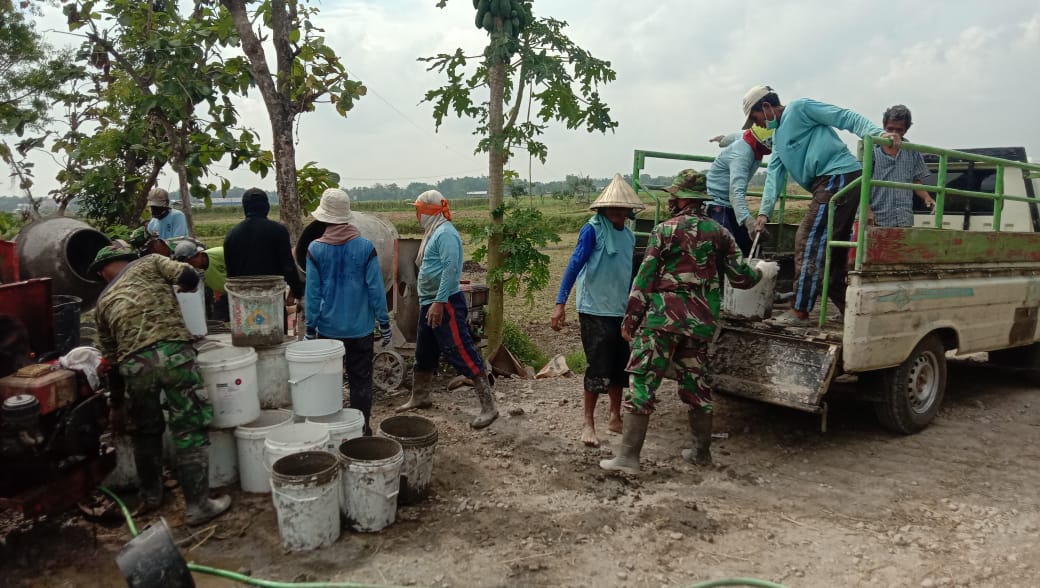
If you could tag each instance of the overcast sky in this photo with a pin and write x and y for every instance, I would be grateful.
(966, 69)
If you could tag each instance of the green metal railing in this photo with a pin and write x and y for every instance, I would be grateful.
(866, 183)
(639, 163)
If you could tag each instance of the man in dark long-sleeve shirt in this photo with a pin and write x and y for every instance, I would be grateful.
(258, 246)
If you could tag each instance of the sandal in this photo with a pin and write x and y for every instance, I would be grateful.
(789, 320)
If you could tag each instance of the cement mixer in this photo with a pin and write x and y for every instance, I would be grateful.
(62, 249)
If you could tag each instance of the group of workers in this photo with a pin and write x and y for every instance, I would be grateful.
(636, 327)
(143, 337)
(665, 320)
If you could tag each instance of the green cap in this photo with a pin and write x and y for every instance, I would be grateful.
(108, 254)
(691, 184)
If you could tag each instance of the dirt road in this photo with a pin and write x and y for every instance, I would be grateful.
(523, 504)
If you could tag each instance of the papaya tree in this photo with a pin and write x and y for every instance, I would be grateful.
(306, 71)
(529, 61)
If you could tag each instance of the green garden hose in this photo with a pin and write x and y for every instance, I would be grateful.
(234, 576)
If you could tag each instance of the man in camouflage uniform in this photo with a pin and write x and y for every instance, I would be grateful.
(671, 315)
(141, 331)
(146, 242)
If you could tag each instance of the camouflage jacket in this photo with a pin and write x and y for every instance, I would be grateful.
(139, 308)
(678, 287)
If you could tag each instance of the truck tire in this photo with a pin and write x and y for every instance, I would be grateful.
(1027, 357)
(910, 395)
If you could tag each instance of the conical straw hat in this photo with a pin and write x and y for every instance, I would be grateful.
(618, 194)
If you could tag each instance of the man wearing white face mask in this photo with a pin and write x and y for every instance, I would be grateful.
(442, 314)
(806, 145)
(728, 180)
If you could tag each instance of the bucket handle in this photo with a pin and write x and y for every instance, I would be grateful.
(303, 500)
(309, 376)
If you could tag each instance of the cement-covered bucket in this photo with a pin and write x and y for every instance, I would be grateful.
(223, 458)
(345, 424)
(250, 442)
(418, 438)
(152, 559)
(370, 482)
(256, 305)
(305, 490)
(272, 369)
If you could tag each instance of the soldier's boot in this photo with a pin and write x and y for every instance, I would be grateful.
(488, 409)
(148, 459)
(421, 384)
(700, 428)
(193, 477)
(632, 438)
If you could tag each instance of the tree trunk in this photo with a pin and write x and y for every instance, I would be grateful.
(182, 180)
(496, 164)
(278, 109)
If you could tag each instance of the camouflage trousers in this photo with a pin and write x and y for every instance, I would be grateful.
(656, 354)
(166, 369)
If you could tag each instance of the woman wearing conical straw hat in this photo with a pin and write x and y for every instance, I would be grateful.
(601, 266)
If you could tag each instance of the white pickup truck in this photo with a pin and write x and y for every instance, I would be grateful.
(914, 295)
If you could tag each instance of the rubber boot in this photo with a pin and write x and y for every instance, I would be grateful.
(488, 410)
(700, 428)
(421, 383)
(631, 445)
(148, 458)
(193, 477)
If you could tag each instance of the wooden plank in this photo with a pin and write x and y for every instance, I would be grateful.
(889, 246)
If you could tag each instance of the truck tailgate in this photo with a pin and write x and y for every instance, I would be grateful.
(772, 365)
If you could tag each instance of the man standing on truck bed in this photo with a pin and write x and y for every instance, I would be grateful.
(806, 146)
(671, 315)
(602, 267)
(728, 180)
(894, 207)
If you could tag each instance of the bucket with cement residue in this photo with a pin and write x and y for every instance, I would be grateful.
(348, 423)
(316, 376)
(418, 438)
(305, 491)
(293, 438)
(370, 482)
(223, 458)
(256, 304)
(229, 374)
(250, 439)
(124, 475)
(756, 302)
(272, 369)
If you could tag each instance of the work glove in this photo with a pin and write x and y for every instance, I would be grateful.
(385, 333)
(310, 334)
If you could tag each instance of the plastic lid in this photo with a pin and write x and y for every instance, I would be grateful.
(226, 358)
(314, 350)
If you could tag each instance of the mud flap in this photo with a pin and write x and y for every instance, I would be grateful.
(774, 367)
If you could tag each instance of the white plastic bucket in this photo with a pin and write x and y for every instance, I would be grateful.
(756, 302)
(223, 458)
(193, 309)
(231, 383)
(348, 423)
(256, 305)
(418, 439)
(293, 438)
(371, 481)
(272, 369)
(250, 439)
(316, 376)
(305, 491)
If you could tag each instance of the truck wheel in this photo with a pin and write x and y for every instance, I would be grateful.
(910, 394)
(1020, 357)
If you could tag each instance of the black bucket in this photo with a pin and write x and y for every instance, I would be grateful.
(152, 559)
(66, 322)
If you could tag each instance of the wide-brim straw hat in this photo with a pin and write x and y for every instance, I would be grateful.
(618, 194)
(334, 207)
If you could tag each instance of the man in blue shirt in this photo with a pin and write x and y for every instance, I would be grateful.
(345, 296)
(806, 146)
(602, 267)
(728, 180)
(166, 222)
(442, 311)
